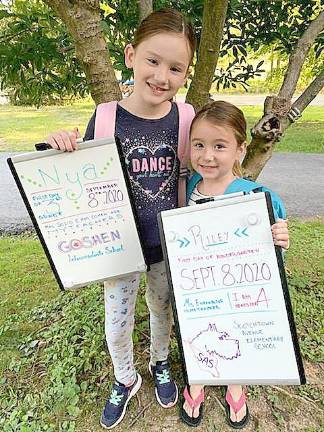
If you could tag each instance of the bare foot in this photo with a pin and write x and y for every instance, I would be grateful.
(236, 392)
(194, 391)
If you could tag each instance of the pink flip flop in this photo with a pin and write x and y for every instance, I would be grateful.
(193, 403)
(236, 406)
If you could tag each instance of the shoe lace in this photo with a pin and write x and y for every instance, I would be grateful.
(164, 377)
(115, 398)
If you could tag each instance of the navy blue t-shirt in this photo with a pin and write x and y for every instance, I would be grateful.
(150, 150)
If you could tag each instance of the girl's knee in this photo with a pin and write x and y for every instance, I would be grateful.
(158, 303)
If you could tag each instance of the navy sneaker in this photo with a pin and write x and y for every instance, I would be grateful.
(166, 390)
(116, 405)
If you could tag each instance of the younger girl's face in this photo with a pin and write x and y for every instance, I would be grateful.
(214, 150)
(160, 64)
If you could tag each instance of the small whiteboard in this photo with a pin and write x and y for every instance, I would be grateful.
(81, 208)
(230, 299)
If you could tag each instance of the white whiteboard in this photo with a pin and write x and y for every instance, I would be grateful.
(80, 206)
(230, 298)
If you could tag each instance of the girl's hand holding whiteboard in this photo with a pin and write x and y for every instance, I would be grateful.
(64, 140)
(81, 207)
(280, 233)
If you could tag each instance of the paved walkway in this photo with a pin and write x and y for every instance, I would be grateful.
(297, 177)
(252, 99)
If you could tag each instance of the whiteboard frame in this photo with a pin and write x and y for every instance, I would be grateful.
(292, 327)
(48, 152)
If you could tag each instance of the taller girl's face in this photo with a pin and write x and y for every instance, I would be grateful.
(160, 65)
(214, 149)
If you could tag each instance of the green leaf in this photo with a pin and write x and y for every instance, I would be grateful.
(73, 410)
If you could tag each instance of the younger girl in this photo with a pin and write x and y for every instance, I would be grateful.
(147, 125)
(218, 140)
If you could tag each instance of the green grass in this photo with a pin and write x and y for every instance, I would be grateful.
(305, 267)
(21, 127)
(25, 283)
(54, 370)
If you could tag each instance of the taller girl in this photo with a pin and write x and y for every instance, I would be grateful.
(147, 124)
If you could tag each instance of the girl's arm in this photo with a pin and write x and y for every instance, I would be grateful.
(280, 233)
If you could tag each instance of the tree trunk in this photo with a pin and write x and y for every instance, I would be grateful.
(211, 36)
(83, 22)
(279, 113)
(145, 8)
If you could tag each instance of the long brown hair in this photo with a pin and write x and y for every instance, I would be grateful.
(225, 114)
(165, 21)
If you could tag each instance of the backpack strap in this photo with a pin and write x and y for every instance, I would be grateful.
(105, 120)
(186, 114)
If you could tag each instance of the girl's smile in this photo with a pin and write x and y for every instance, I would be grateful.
(207, 166)
(157, 89)
(207, 170)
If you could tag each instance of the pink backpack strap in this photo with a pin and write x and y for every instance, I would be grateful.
(186, 114)
(105, 120)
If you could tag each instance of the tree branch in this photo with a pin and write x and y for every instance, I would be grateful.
(211, 36)
(299, 398)
(310, 93)
(142, 411)
(145, 8)
(7, 38)
(298, 56)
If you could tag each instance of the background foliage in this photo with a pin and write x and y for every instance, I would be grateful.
(37, 57)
